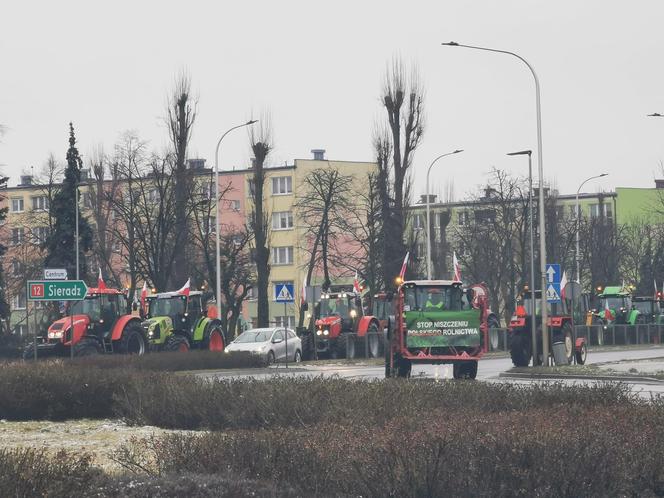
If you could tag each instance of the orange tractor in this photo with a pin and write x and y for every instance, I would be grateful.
(101, 325)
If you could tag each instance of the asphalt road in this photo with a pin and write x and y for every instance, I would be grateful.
(489, 369)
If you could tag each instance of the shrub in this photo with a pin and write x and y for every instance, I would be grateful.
(174, 361)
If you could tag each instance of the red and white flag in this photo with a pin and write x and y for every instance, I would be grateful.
(402, 273)
(185, 289)
(457, 267)
(303, 293)
(101, 285)
(563, 283)
(144, 296)
(356, 284)
(656, 291)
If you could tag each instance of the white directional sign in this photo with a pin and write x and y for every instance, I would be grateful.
(55, 274)
(285, 293)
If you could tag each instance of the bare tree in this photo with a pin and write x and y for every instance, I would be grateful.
(181, 116)
(260, 138)
(403, 99)
(237, 276)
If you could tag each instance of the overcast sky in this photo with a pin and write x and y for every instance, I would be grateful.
(318, 66)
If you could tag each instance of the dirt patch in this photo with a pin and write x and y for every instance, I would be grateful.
(97, 437)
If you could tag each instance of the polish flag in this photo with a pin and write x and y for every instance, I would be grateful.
(655, 282)
(457, 267)
(101, 285)
(563, 283)
(402, 273)
(356, 284)
(303, 293)
(144, 296)
(185, 289)
(608, 315)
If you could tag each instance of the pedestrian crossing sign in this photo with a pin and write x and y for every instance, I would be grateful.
(285, 293)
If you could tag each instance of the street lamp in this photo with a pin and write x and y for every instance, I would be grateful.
(428, 225)
(533, 327)
(545, 335)
(578, 221)
(216, 190)
(656, 115)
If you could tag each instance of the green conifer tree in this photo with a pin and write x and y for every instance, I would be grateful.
(4, 305)
(61, 242)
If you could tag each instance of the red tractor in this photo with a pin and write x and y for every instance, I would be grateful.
(561, 330)
(342, 328)
(101, 325)
(438, 322)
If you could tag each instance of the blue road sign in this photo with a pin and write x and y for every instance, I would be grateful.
(285, 293)
(553, 283)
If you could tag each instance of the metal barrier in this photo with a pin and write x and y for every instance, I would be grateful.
(617, 335)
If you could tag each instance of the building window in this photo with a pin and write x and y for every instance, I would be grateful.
(282, 220)
(87, 200)
(40, 234)
(485, 216)
(282, 255)
(418, 222)
(282, 185)
(285, 321)
(604, 209)
(235, 205)
(40, 203)
(153, 195)
(18, 301)
(20, 330)
(18, 234)
(17, 205)
(278, 285)
(463, 218)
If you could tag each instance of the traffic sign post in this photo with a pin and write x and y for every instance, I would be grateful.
(58, 290)
(553, 283)
(55, 274)
(285, 293)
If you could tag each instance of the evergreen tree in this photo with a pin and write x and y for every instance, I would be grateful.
(61, 243)
(4, 305)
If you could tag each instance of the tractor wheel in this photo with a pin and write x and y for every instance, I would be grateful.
(582, 354)
(568, 339)
(214, 340)
(87, 347)
(404, 367)
(177, 343)
(493, 325)
(520, 350)
(465, 369)
(373, 341)
(132, 341)
(343, 347)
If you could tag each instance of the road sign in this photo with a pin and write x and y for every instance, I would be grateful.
(285, 293)
(55, 274)
(56, 290)
(553, 283)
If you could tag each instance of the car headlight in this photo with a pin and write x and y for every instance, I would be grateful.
(326, 332)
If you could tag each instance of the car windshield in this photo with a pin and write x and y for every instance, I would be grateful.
(167, 306)
(613, 303)
(334, 306)
(433, 298)
(89, 306)
(254, 336)
(644, 306)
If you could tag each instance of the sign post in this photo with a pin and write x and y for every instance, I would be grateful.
(285, 293)
(58, 290)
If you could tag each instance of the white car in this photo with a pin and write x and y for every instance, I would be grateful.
(269, 343)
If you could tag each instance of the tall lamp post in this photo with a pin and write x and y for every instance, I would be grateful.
(542, 221)
(428, 202)
(533, 327)
(217, 224)
(578, 222)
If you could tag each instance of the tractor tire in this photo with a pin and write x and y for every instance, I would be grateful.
(581, 355)
(493, 325)
(568, 339)
(343, 347)
(214, 340)
(520, 350)
(133, 341)
(87, 347)
(177, 343)
(404, 367)
(373, 341)
(465, 370)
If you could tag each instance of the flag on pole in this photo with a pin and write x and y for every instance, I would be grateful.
(402, 273)
(608, 315)
(144, 297)
(457, 267)
(656, 291)
(563, 283)
(185, 288)
(101, 285)
(356, 284)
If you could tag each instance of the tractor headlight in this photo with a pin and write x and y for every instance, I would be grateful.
(353, 313)
(326, 332)
(55, 335)
(319, 332)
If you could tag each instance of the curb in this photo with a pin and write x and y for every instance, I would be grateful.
(614, 378)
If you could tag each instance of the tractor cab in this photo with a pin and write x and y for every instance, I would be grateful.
(650, 308)
(102, 307)
(615, 306)
(344, 304)
(184, 311)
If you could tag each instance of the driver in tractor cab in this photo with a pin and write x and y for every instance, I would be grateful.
(434, 302)
(340, 307)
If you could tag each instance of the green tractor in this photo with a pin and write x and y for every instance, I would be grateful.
(178, 321)
(615, 308)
